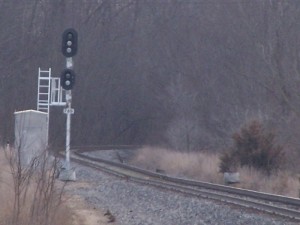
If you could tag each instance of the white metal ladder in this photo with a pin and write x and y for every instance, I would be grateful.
(44, 88)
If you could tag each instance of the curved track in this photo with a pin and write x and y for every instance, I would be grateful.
(275, 204)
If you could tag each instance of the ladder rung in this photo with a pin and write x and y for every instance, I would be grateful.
(43, 104)
(43, 101)
(44, 75)
(44, 86)
(43, 94)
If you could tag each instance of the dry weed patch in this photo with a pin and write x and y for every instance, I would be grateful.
(30, 197)
(205, 167)
(201, 166)
(282, 183)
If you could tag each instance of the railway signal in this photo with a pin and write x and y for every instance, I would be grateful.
(69, 42)
(67, 79)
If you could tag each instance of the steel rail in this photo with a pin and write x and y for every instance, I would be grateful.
(104, 147)
(192, 187)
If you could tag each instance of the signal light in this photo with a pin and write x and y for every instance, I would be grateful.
(67, 79)
(69, 42)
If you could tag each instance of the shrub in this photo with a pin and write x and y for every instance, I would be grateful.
(228, 162)
(254, 146)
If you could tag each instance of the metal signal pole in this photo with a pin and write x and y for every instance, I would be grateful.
(69, 174)
(69, 111)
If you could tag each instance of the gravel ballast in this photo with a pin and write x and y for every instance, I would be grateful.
(136, 204)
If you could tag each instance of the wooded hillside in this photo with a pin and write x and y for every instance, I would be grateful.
(179, 73)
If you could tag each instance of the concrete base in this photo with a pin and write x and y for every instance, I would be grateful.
(231, 178)
(67, 175)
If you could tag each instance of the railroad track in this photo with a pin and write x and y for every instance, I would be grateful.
(264, 202)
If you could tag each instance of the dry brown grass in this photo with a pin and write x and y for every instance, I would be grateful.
(282, 183)
(58, 213)
(6, 189)
(201, 166)
(205, 167)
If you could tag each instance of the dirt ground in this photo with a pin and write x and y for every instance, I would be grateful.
(83, 213)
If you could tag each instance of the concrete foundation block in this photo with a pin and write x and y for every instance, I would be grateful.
(67, 175)
(231, 178)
